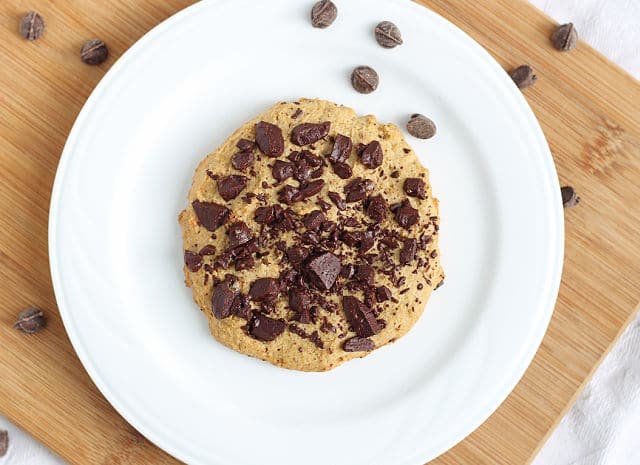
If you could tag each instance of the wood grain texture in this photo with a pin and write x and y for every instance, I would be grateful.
(589, 110)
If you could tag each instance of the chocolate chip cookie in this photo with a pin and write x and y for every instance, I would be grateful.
(311, 236)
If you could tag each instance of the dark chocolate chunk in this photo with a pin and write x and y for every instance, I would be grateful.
(269, 139)
(245, 263)
(221, 300)
(296, 113)
(311, 237)
(313, 220)
(300, 302)
(351, 238)
(371, 156)
(310, 190)
(406, 216)
(288, 194)
(415, 187)
(230, 186)
(241, 307)
(245, 145)
(367, 241)
(317, 173)
(192, 260)
(264, 290)
(294, 156)
(360, 317)
(343, 170)
(239, 233)
(282, 170)
(347, 271)
(365, 274)
(315, 338)
(395, 174)
(210, 215)
(383, 293)
(341, 149)
(357, 189)
(242, 160)
(308, 133)
(265, 329)
(323, 270)
(569, 197)
(311, 159)
(358, 344)
(302, 170)
(351, 222)
(297, 254)
(408, 252)
(207, 250)
(377, 208)
(323, 14)
(337, 200)
(267, 215)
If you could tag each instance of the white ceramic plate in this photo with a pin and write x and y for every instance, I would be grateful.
(116, 257)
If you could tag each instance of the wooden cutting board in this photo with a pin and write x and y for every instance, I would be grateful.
(589, 110)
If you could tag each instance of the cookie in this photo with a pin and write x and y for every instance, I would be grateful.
(311, 236)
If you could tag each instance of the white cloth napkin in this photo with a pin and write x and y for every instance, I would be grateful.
(603, 427)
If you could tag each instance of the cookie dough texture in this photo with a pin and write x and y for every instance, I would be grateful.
(410, 284)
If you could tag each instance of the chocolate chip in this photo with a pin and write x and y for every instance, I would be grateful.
(364, 79)
(569, 197)
(302, 170)
(241, 307)
(308, 133)
(245, 263)
(239, 233)
(296, 113)
(395, 174)
(388, 35)
(317, 173)
(264, 290)
(360, 317)
(288, 194)
(230, 186)
(357, 189)
(415, 187)
(300, 302)
(408, 252)
(351, 238)
(434, 254)
(341, 151)
(323, 14)
(523, 76)
(265, 329)
(310, 190)
(294, 156)
(313, 220)
(32, 26)
(207, 250)
(337, 200)
(358, 344)
(30, 321)
(192, 260)
(221, 300)
(94, 52)
(377, 208)
(421, 127)
(310, 237)
(311, 159)
(383, 293)
(351, 222)
(342, 170)
(242, 160)
(405, 215)
(371, 156)
(367, 241)
(210, 215)
(245, 145)
(323, 270)
(565, 37)
(282, 170)
(269, 139)
(365, 274)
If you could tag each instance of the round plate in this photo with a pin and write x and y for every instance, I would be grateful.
(115, 244)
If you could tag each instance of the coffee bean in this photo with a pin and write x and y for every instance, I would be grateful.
(364, 79)
(565, 37)
(388, 35)
(32, 26)
(421, 127)
(569, 197)
(523, 76)
(4, 442)
(94, 52)
(323, 14)
(30, 321)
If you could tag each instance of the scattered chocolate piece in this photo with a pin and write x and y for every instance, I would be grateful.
(565, 37)
(221, 300)
(32, 26)
(302, 170)
(308, 133)
(377, 208)
(241, 307)
(296, 113)
(323, 270)
(210, 215)
(288, 194)
(341, 151)
(267, 215)
(523, 76)
(383, 293)
(282, 170)
(245, 263)
(569, 197)
(207, 250)
(242, 160)
(342, 170)
(315, 338)
(30, 321)
(395, 174)
(297, 255)
(371, 156)
(311, 159)
(323, 14)
(313, 220)
(264, 290)
(408, 252)
(300, 302)
(421, 127)
(239, 233)
(230, 186)
(337, 200)
(311, 189)
(245, 145)
(358, 344)
(365, 274)
(364, 79)
(94, 52)
(192, 260)
(269, 139)
(357, 189)
(360, 317)
(388, 35)
(347, 271)
(367, 241)
(265, 329)
(415, 187)
(405, 215)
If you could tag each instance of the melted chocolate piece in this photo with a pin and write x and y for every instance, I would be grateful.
(371, 156)
(192, 260)
(342, 170)
(365, 274)
(230, 187)
(341, 151)
(314, 220)
(265, 329)
(245, 145)
(242, 160)
(357, 189)
(239, 233)
(337, 200)
(405, 215)
(269, 139)
(282, 170)
(310, 190)
(264, 290)
(415, 187)
(288, 194)
(300, 302)
(377, 208)
(221, 300)
(210, 215)
(408, 252)
(297, 255)
(383, 293)
(308, 133)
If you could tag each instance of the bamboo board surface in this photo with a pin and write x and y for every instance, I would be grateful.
(588, 108)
